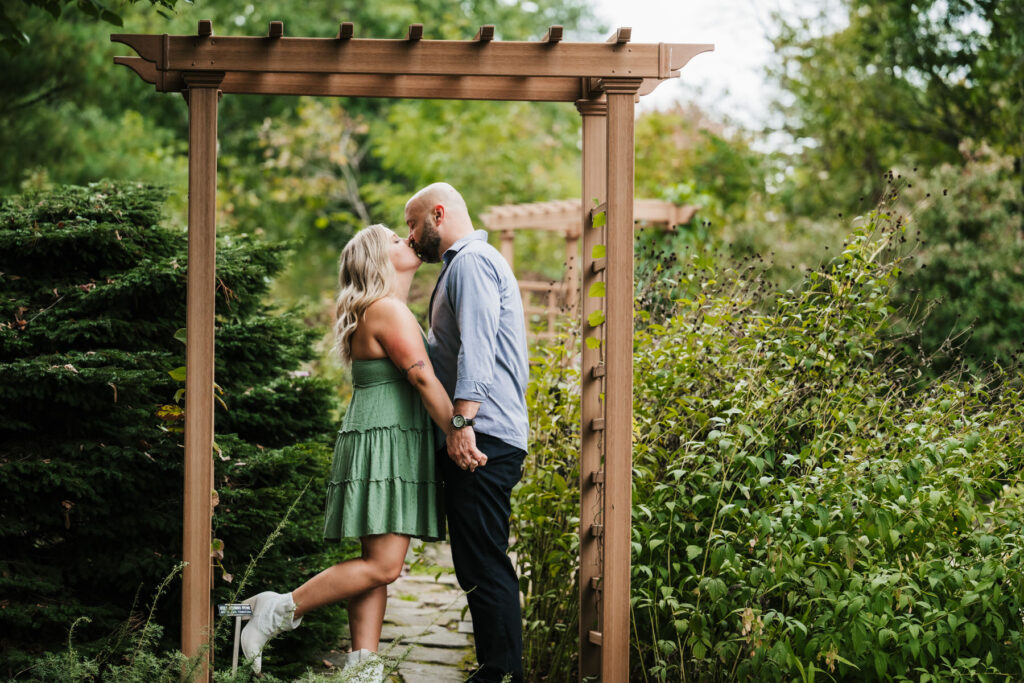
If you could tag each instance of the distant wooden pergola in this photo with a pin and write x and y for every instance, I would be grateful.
(603, 80)
(563, 216)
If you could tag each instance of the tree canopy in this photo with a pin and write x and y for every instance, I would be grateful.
(898, 84)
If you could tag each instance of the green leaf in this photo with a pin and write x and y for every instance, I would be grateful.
(595, 318)
(859, 637)
(180, 335)
(593, 343)
(881, 663)
(600, 219)
(972, 632)
(111, 18)
(178, 374)
(693, 551)
(596, 289)
(716, 589)
(599, 251)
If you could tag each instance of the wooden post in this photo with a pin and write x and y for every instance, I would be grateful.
(196, 615)
(618, 382)
(595, 135)
(508, 247)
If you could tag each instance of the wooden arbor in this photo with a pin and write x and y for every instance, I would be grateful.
(563, 216)
(603, 79)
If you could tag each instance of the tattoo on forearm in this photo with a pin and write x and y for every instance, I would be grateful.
(417, 364)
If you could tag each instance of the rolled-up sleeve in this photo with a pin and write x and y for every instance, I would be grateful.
(475, 295)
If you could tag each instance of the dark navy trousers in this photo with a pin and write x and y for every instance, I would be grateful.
(478, 505)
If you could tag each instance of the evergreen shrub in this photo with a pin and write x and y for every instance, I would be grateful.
(92, 306)
(805, 502)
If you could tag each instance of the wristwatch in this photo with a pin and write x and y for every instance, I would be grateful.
(458, 422)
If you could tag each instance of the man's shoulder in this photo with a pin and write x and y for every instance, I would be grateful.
(480, 248)
(481, 253)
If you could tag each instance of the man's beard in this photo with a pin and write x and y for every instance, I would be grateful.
(429, 247)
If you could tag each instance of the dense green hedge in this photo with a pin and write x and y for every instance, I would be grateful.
(92, 298)
(804, 501)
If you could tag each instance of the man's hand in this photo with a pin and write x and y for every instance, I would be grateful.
(462, 449)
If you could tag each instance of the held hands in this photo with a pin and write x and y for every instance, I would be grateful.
(462, 449)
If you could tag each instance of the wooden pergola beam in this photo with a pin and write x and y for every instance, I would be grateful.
(562, 215)
(554, 35)
(485, 34)
(412, 57)
(621, 35)
(372, 85)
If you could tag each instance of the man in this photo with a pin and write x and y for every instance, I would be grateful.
(477, 343)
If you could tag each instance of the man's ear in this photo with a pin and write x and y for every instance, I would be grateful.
(439, 213)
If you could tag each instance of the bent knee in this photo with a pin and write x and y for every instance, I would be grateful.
(386, 572)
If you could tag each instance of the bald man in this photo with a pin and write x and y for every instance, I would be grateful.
(477, 344)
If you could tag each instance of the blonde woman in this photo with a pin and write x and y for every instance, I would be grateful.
(384, 488)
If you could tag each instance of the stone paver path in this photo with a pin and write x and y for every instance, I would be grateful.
(427, 625)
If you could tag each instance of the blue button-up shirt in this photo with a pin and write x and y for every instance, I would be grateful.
(477, 340)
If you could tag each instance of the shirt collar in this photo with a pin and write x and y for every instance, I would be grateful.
(450, 253)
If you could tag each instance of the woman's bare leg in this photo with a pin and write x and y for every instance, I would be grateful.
(366, 610)
(366, 618)
(381, 563)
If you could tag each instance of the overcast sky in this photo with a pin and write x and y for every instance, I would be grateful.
(729, 80)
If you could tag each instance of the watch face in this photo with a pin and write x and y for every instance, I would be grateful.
(458, 421)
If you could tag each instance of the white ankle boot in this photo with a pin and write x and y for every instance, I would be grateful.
(366, 666)
(272, 613)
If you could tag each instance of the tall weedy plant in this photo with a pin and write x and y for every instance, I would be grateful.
(545, 516)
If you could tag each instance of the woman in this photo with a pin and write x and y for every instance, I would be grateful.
(383, 488)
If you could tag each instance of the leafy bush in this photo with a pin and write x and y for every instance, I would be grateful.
(804, 503)
(545, 517)
(90, 434)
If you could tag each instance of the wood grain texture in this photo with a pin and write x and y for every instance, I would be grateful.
(202, 188)
(414, 57)
(595, 126)
(365, 85)
(618, 384)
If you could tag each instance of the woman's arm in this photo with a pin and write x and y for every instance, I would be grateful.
(396, 330)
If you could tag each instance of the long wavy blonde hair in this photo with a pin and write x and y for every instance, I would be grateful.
(365, 275)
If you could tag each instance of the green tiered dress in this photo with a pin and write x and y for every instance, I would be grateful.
(384, 477)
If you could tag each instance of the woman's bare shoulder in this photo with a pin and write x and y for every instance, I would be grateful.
(388, 309)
